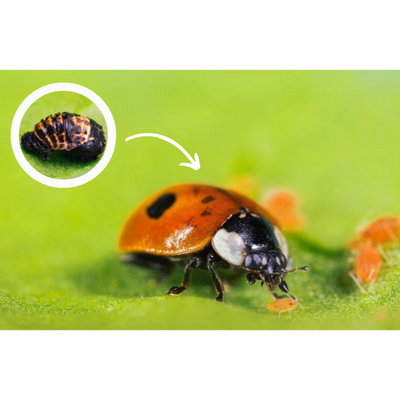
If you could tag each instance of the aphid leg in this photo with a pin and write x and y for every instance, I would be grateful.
(219, 286)
(177, 290)
(384, 255)
(371, 284)
(391, 234)
(357, 281)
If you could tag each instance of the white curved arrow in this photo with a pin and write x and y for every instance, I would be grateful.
(194, 163)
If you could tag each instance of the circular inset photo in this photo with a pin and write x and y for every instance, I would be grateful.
(64, 138)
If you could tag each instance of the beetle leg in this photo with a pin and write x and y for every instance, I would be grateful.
(273, 294)
(277, 296)
(219, 286)
(177, 290)
(251, 279)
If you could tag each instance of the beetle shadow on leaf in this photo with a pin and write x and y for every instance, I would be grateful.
(111, 277)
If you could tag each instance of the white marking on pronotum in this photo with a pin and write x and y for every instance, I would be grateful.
(257, 259)
(282, 242)
(242, 215)
(264, 260)
(229, 246)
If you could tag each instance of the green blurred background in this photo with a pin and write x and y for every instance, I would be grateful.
(333, 137)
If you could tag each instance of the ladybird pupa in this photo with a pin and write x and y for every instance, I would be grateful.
(82, 137)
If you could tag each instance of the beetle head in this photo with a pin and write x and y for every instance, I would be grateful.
(273, 272)
(268, 265)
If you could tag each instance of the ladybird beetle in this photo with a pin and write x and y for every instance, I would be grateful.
(82, 137)
(206, 227)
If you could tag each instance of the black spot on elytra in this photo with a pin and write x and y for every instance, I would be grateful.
(208, 199)
(196, 190)
(161, 205)
(207, 211)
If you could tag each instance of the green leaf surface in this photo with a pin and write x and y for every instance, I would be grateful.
(333, 137)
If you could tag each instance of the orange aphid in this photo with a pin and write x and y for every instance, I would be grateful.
(283, 206)
(282, 305)
(366, 265)
(382, 230)
(368, 248)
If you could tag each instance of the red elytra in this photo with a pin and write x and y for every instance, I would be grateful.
(188, 225)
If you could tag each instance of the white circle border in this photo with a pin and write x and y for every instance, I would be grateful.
(111, 135)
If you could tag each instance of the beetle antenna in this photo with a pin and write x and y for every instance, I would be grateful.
(305, 268)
